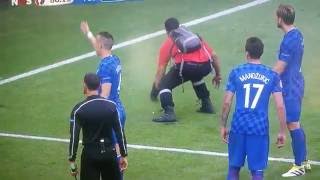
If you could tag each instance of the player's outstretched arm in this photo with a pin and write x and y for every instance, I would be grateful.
(281, 117)
(84, 26)
(227, 102)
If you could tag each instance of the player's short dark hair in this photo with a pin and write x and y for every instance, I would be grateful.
(92, 81)
(254, 47)
(171, 24)
(286, 13)
(107, 39)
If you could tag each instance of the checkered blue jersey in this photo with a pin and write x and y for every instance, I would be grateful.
(252, 84)
(291, 52)
(109, 71)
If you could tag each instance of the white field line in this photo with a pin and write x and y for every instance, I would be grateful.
(132, 41)
(144, 147)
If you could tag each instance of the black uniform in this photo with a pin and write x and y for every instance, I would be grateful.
(97, 117)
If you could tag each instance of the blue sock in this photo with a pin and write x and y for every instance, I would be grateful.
(256, 175)
(298, 146)
(233, 173)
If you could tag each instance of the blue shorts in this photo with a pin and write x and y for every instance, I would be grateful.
(122, 117)
(253, 147)
(292, 97)
(293, 109)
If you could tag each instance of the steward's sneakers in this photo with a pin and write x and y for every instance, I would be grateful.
(206, 110)
(295, 171)
(307, 165)
(165, 118)
(206, 106)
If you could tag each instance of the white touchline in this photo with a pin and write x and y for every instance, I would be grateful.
(133, 41)
(145, 147)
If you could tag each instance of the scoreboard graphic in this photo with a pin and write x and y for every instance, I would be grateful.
(61, 2)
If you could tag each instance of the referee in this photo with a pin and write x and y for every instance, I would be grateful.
(97, 117)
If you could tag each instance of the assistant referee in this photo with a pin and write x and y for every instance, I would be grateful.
(96, 116)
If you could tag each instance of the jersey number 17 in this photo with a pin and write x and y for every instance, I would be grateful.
(248, 88)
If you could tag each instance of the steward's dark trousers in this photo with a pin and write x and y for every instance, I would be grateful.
(191, 71)
(95, 164)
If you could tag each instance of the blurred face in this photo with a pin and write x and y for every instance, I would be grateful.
(247, 55)
(85, 89)
(98, 51)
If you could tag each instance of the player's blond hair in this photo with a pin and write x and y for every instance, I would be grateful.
(286, 13)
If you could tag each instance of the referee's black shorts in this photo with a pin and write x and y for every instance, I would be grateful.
(191, 71)
(94, 163)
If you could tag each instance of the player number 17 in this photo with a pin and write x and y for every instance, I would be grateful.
(248, 87)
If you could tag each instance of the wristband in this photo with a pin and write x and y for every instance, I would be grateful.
(89, 35)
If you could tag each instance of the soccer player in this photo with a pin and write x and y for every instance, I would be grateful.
(109, 70)
(252, 83)
(193, 66)
(289, 67)
(97, 117)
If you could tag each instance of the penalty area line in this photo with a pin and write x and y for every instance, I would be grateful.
(152, 148)
(132, 41)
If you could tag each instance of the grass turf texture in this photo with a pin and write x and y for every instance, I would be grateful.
(40, 105)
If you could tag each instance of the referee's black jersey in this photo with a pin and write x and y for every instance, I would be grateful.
(97, 117)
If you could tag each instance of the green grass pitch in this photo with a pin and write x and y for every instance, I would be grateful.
(31, 37)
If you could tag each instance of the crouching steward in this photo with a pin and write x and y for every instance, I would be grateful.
(97, 117)
(193, 60)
